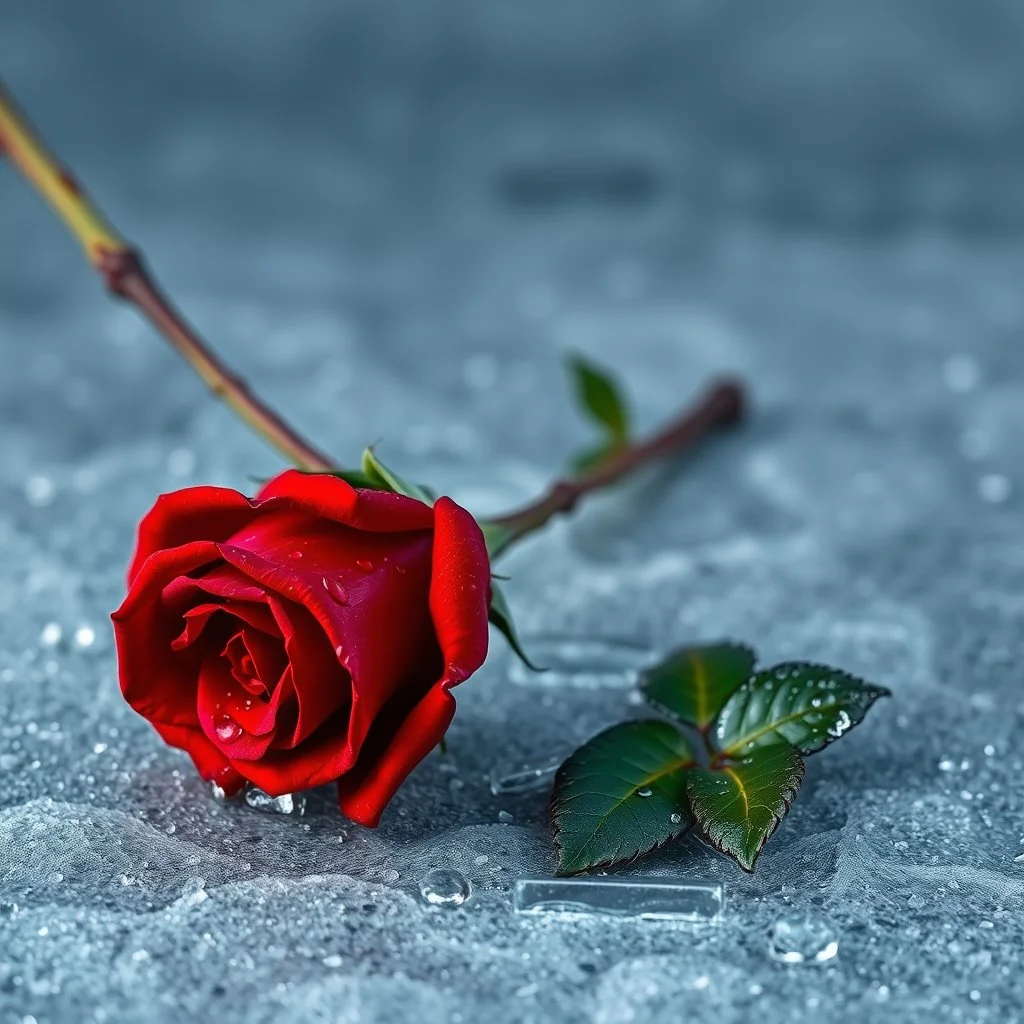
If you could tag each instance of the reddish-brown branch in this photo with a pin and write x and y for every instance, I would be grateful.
(721, 406)
(125, 275)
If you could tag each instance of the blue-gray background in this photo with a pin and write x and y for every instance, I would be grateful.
(394, 217)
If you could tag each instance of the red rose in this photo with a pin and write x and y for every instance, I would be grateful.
(308, 635)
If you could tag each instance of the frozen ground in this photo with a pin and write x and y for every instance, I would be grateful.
(394, 217)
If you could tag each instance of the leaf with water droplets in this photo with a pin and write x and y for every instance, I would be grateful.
(621, 795)
(804, 704)
(598, 394)
(740, 805)
(693, 683)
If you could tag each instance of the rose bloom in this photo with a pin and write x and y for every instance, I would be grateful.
(309, 635)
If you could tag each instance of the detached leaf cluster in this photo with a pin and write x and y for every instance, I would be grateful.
(730, 764)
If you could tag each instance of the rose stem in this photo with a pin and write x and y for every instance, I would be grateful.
(720, 406)
(126, 276)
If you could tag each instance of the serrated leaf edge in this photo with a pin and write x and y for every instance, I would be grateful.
(874, 692)
(788, 796)
(687, 822)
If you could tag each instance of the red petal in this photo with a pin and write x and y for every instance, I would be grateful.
(330, 497)
(459, 604)
(191, 514)
(211, 764)
(158, 685)
(460, 590)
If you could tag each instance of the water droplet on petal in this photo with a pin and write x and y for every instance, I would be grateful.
(335, 590)
(646, 791)
(226, 729)
(295, 555)
(365, 564)
(675, 817)
(443, 887)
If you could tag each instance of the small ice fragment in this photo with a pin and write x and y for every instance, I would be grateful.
(649, 899)
(523, 778)
(287, 803)
(803, 939)
(583, 662)
(505, 818)
(443, 887)
(332, 960)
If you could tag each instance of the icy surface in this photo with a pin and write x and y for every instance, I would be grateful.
(393, 217)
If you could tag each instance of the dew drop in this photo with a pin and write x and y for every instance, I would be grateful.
(842, 723)
(226, 729)
(335, 590)
(365, 564)
(286, 803)
(443, 887)
(803, 939)
(675, 817)
(85, 637)
(645, 792)
(51, 634)
(295, 555)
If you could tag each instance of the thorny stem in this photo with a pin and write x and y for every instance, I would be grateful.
(720, 406)
(126, 276)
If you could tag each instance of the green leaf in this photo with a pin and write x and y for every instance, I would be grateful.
(693, 683)
(804, 704)
(620, 795)
(741, 804)
(501, 616)
(387, 479)
(599, 396)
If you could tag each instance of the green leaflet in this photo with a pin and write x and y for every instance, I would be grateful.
(598, 394)
(621, 795)
(693, 683)
(804, 704)
(739, 805)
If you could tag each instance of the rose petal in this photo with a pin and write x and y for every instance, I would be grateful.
(330, 497)
(459, 603)
(157, 685)
(211, 764)
(188, 515)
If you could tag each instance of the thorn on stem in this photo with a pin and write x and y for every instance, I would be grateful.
(116, 267)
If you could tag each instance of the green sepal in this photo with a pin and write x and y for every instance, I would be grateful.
(620, 795)
(386, 479)
(739, 805)
(500, 615)
(693, 683)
